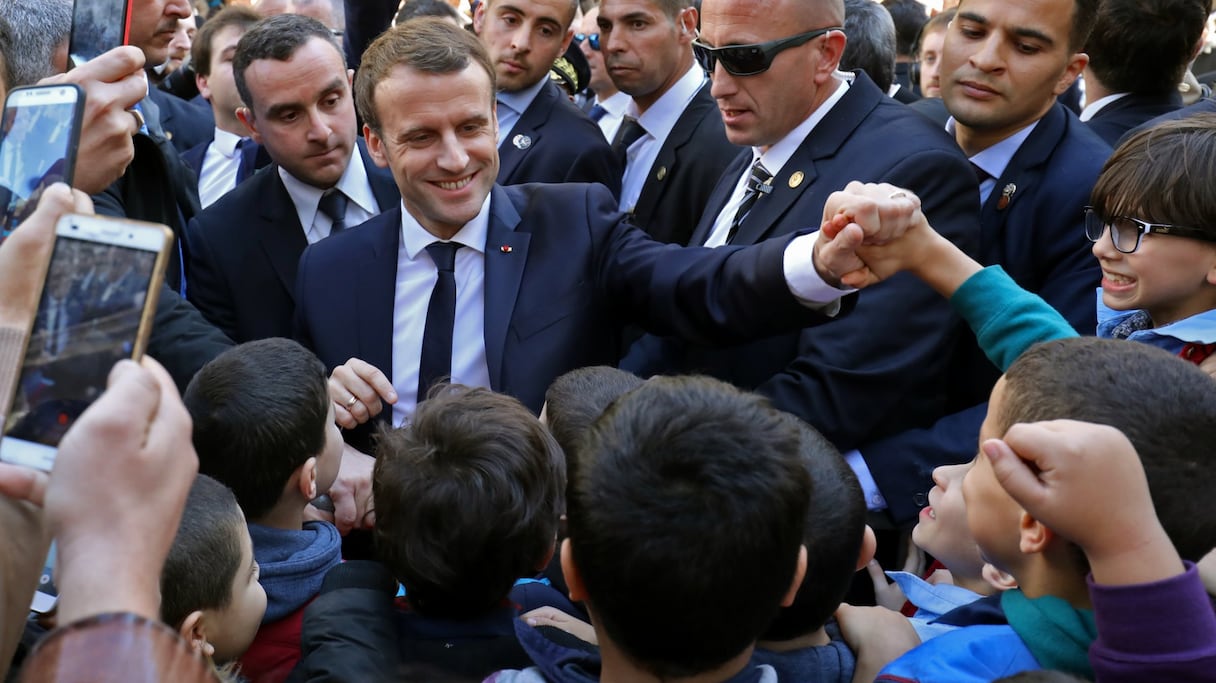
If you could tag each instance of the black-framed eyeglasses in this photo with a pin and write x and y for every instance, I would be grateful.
(593, 40)
(754, 58)
(1126, 233)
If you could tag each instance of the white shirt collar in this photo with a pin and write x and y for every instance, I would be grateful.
(225, 143)
(415, 238)
(662, 116)
(779, 154)
(616, 104)
(354, 184)
(520, 100)
(1093, 108)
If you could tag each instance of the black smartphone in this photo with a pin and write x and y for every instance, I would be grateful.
(41, 133)
(96, 309)
(98, 26)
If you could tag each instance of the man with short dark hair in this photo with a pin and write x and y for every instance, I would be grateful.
(542, 136)
(1138, 53)
(607, 108)
(871, 45)
(909, 16)
(672, 141)
(244, 248)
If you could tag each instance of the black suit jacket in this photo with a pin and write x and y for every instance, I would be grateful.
(689, 163)
(554, 142)
(570, 271)
(882, 369)
(1036, 233)
(1114, 120)
(1204, 106)
(246, 248)
(186, 125)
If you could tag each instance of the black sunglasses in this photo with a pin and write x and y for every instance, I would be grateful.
(593, 40)
(1126, 233)
(752, 59)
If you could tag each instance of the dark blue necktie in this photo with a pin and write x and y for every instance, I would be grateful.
(246, 151)
(333, 204)
(436, 360)
(597, 112)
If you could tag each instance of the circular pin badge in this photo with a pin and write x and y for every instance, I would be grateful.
(521, 141)
(796, 179)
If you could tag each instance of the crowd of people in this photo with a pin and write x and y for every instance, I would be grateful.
(631, 340)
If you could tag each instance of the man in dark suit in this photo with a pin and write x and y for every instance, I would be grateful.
(228, 156)
(246, 246)
(1003, 66)
(678, 147)
(506, 287)
(1138, 53)
(882, 369)
(542, 136)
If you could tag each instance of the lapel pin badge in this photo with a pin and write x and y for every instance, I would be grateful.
(1006, 196)
(796, 179)
(661, 174)
(506, 249)
(521, 141)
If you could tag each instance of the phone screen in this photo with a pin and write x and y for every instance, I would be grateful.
(47, 594)
(37, 148)
(88, 319)
(97, 27)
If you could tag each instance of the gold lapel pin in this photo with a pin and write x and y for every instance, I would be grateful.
(661, 174)
(796, 179)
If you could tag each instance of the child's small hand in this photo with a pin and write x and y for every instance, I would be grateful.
(551, 616)
(1088, 486)
(887, 593)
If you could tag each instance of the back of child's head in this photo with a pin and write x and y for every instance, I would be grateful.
(576, 399)
(260, 410)
(208, 569)
(835, 528)
(467, 500)
(686, 517)
(1163, 174)
(1165, 406)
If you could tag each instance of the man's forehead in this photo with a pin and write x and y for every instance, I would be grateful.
(560, 11)
(1051, 19)
(738, 22)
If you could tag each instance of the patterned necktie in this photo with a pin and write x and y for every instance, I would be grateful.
(435, 363)
(759, 182)
(333, 204)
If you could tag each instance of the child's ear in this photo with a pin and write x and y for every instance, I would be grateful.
(194, 631)
(1001, 580)
(868, 545)
(574, 580)
(799, 575)
(1035, 537)
(306, 482)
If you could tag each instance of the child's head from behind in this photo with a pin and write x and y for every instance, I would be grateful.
(686, 521)
(467, 500)
(835, 530)
(264, 424)
(1165, 406)
(576, 399)
(1162, 175)
(209, 585)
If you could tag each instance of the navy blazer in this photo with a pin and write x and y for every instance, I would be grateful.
(1114, 120)
(554, 142)
(1204, 106)
(883, 369)
(689, 163)
(1032, 226)
(186, 125)
(245, 249)
(563, 271)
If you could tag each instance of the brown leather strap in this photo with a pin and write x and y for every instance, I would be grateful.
(118, 648)
(12, 348)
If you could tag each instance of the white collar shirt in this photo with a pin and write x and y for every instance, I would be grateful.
(220, 164)
(658, 121)
(354, 184)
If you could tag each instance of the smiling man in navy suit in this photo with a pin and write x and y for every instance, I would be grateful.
(245, 247)
(508, 287)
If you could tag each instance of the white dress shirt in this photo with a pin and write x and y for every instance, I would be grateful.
(615, 105)
(774, 159)
(416, 277)
(512, 105)
(995, 159)
(1093, 108)
(353, 183)
(220, 164)
(657, 121)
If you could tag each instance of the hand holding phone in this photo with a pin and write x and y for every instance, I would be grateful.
(98, 26)
(41, 133)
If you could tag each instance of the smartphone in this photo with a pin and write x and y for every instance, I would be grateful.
(96, 309)
(47, 594)
(41, 133)
(98, 26)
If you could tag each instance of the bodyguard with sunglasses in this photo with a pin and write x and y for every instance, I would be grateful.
(809, 130)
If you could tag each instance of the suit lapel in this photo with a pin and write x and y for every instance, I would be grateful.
(799, 172)
(282, 237)
(377, 288)
(719, 197)
(506, 256)
(669, 153)
(1019, 177)
(513, 149)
